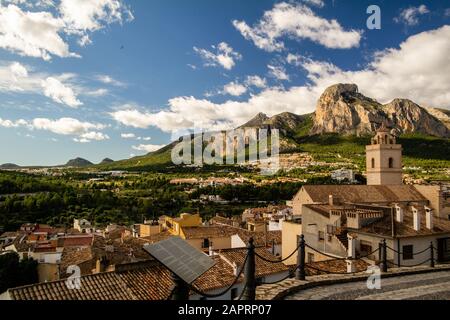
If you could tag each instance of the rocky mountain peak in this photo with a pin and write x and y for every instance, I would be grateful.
(337, 91)
(342, 109)
(257, 121)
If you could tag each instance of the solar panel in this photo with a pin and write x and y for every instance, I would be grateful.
(181, 258)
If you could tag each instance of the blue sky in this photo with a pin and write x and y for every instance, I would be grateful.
(112, 78)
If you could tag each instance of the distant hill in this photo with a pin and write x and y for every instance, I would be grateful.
(78, 162)
(9, 166)
(106, 161)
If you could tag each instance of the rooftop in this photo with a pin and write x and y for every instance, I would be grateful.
(207, 232)
(405, 229)
(148, 280)
(364, 193)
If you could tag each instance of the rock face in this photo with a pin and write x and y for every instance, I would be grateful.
(286, 122)
(443, 115)
(342, 109)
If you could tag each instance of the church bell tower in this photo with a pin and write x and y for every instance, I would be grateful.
(384, 159)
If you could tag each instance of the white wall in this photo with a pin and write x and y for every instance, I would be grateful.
(237, 242)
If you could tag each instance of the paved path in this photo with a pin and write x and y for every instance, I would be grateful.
(427, 286)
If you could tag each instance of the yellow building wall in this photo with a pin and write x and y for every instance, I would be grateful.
(47, 272)
(146, 230)
(185, 220)
(289, 234)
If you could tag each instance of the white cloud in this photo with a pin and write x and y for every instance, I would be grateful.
(81, 140)
(97, 93)
(84, 131)
(12, 124)
(224, 56)
(60, 93)
(298, 22)
(88, 15)
(128, 135)
(34, 34)
(148, 147)
(393, 73)
(65, 126)
(62, 88)
(133, 117)
(293, 59)
(106, 79)
(234, 89)
(278, 72)
(93, 135)
(18, 70)
(43, 34)
(256, 81)
(410, 16)
(316, 3)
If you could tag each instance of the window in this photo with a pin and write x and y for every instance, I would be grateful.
(234, 293)
(205, 244)
(321, 236)
(408, 252)
(373, 163)
(391, 163)
(310, 257)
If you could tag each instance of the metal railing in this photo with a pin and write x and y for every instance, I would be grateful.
(299, 272)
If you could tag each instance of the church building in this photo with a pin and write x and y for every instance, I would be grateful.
(351, 220)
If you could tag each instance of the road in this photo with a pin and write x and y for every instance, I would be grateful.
(428, 286)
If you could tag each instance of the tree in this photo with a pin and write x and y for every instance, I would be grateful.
(9, 271)
(15, 273)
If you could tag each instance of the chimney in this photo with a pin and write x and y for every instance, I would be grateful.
(98, 266)
(235, 269)
(211, 250)
(416, 219)
(331, 200)
(351, 266)
(429, 218)
(399, 213)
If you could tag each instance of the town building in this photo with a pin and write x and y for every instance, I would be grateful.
(343, 175)
(83, 226)
(351, 220)
(150, 280)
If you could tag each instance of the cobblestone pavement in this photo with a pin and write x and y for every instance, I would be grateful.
(427, 286)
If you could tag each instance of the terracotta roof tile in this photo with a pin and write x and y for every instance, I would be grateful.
(207, 232)
(364, 193)
(263, 268)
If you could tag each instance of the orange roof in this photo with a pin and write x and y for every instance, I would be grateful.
(364, 193)
(75, 241)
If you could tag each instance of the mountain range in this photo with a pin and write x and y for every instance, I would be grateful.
(341, 110)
